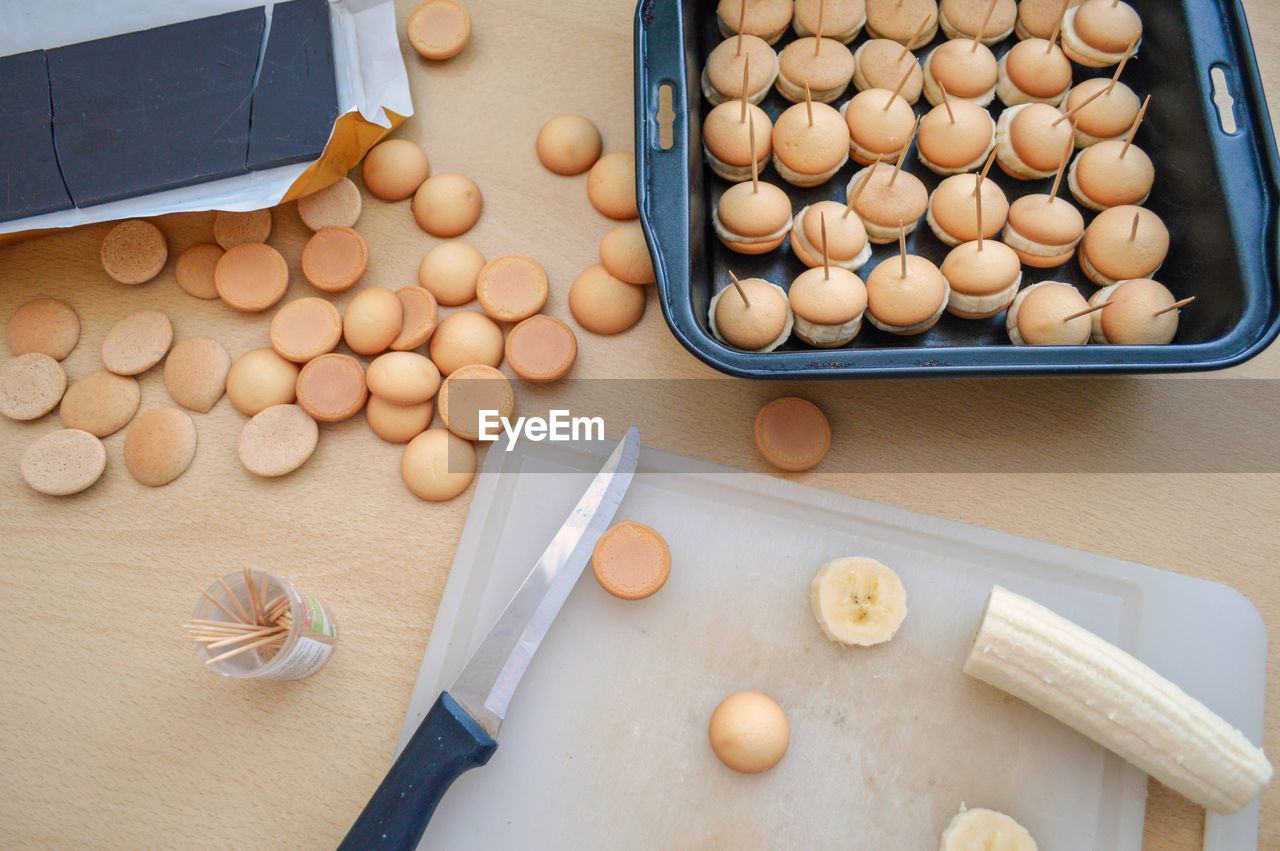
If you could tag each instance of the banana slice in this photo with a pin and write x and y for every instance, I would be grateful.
(985, 830)
(858, 601)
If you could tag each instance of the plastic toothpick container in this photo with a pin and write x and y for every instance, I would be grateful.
(297, 639)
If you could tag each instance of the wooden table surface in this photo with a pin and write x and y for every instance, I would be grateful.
(112, 736)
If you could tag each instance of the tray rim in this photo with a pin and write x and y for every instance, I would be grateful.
(1242, 343)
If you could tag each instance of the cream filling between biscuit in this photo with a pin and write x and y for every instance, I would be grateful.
(786, 328)
(1102, 296)
(796, 178)
(714, 96)
(727, 235)
(943, 235)
(982, 304)
(951, 31)
(1007, 155)
(732, 173)
(919, 326)
(1015, 240)
(844, 37)
(795, 93)
(798, 237)
(947, 172)
(1009, 93)
(827, 336)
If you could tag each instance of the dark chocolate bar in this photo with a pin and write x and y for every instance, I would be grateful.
(30, 182)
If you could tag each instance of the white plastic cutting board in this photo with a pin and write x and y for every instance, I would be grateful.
(605, 744)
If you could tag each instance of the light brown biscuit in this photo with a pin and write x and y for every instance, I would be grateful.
(611, 185)
(792, 434)
(403, 378)
(305, 329)
(541, 349)
(512, 288)
(393, 170)
(449, 272)
(134, 252)
(447, 205)
(335, 259)
(63, 462)
(419, 316)
(251, 277)
(195, 373)
(100, 403)
(438, 465)
(137, 342)
(568, 144)
(231, 228)
(372, 321)
(159, 446)
(259, 379)
(44, 325)
(398, 423)
(194, 269)
(631, 561)
(625, 254)
(332, 388)
(31, 386)
(603, 304)
(470, 390)
(337, 205)
(439, 29)
(466, 337)
(277, 441)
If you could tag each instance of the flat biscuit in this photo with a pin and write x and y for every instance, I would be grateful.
(159, 446)
(277, 441)
(100, 403)
(234, 228)
(134, 252)
(195, 373)
(31, 386)
(194, 269)
(337, 205)
(137, 342)
(45, 325)
(63, 462)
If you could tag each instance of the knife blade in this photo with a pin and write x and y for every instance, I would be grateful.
(459, 732)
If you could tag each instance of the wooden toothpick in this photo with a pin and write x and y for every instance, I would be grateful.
(977, 196)
(253, 595)
(986, 21)
(1057, 27)
(1070, 115)
(898, 89)
(946, 101)
(817, 42)
(1128, 54)
(225, 610)
(746, 81)
(902, 245)
(808, 102)
(982, 175)
(755, 165)
(826, 260)
(1133, 131)
(235, 601)
(1062, 166)
(862, 184)
(742, 25)
(1177, 305)
(239, 650)
(737, 285)
(1133, 234)
(1093, 309)
(902, 157)
(906, 48)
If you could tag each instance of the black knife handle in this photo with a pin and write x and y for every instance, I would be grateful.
(446, 743)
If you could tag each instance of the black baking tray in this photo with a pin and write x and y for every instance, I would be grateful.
(1216, 190)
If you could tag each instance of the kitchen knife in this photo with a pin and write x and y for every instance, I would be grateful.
(460, 731)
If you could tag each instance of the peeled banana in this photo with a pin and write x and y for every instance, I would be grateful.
(1111, 697)
(985, 830)
(858, 601)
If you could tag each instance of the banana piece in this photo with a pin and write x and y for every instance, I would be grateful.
(858, 601)
(1106, 694)
(985, 830)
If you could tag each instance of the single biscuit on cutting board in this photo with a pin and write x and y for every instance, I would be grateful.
(159, 446)
(234, 228)
(137, 342)
(277, 440)
(337, 205)
(631, 561)
(195, 373)
(194, 269)
(64, 462)
(44, 325)
(100, 403)
(134, 252)
(792, 434)
(31, 386)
